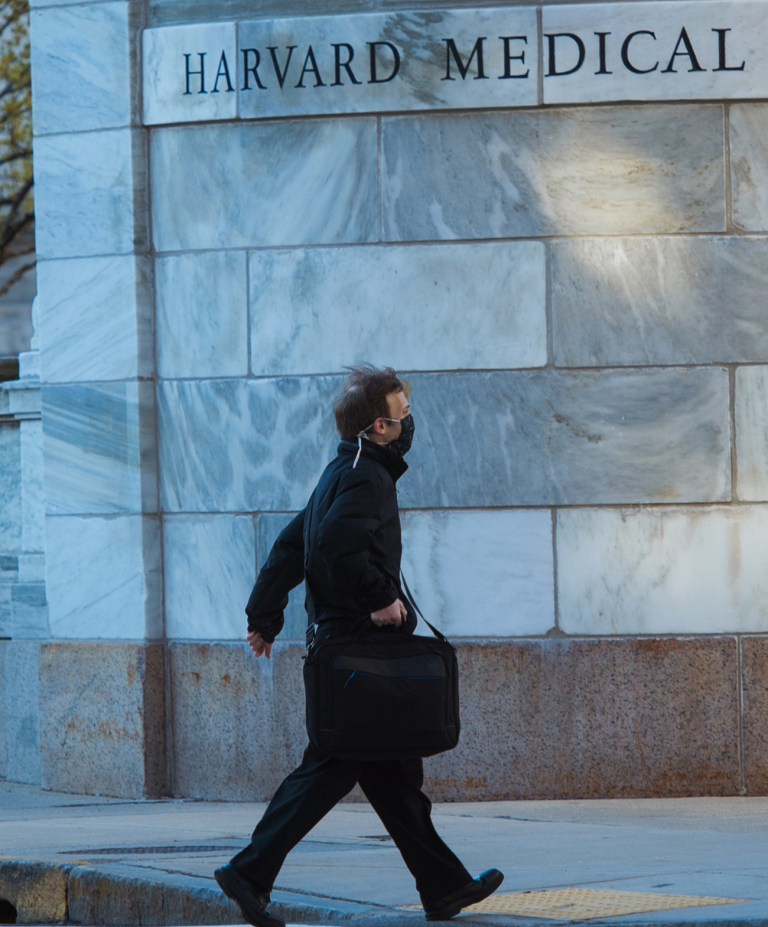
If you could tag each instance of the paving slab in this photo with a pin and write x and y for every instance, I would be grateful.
(152, 862)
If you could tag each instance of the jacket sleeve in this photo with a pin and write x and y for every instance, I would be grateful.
(345, 537)
(283, 571)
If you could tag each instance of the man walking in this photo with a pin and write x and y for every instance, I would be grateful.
(346, 546)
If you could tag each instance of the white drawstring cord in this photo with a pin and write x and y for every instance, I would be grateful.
(359, 449)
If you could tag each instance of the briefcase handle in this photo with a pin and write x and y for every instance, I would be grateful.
(438, 634)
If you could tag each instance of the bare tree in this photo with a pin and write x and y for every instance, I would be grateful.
(16, 196)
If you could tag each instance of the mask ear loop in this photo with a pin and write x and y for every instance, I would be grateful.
(360, 435)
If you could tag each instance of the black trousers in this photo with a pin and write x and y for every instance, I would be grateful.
(393, 787)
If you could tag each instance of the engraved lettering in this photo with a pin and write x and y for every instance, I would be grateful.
(339, 64)
(201, 72)
(625, 53)
(508, 57)
(551, 42)
(450, 49)
(722, 66)
(375, 79)
(223, 73)
(280, 74)
(689, 53)
(252, 70)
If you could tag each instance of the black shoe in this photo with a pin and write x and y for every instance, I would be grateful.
(252, 902)
(478, 889)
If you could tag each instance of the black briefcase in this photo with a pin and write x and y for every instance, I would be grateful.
(382, 694)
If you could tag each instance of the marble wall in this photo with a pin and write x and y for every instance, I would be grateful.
(573, 292)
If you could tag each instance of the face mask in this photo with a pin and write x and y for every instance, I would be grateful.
(401, 445)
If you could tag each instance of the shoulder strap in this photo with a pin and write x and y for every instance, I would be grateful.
(439, 635)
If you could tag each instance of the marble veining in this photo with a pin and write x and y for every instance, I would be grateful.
(89, 189)
(202, 315)
(645, 55)
(209, 91)
(599, 171)
(210, 568)
(663, 570)
(98, 441)
(10, 487)
(751, 406)
(482, 439)
(316, 310)
(283, 183)
(748, 128)
(481, 574)
(244, 445)
(32, 494)
(425, 74)
(556, 437)
(680, 300)
(95, 318)
(116, 562)
(82, 72)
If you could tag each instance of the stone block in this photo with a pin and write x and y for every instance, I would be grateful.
(103, 577)
(202, 315)
(528, 438)
(38, 890)
(29, 611)
(32, 495)
(210, 563)
(754, 669)
(10, 487)
(422, 76)
(99, 446)
(22, 712)
(244, 445)
(662, 570)
(654, 63)
(568, 719)
(90, 192)
(5, 616)
(481, 573)
(95, 318)
(554, 437)
(3, 740)
(248, 713)
(23, 396)
(748, 125)
(83, 67)
(268, 527)
(109, 897)
(751, 407)
(601, 171)
(316, 310)
(164, 12)
(659, 301)
(281, 183)
(190, 73)
(102, 719)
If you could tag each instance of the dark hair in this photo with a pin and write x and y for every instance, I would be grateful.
(363, 398)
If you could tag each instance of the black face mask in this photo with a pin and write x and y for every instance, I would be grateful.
(401, 445)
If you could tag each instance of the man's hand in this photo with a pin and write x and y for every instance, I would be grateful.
(395, 614)
(258, 645)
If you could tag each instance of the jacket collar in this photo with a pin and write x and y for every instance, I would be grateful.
(393, 464)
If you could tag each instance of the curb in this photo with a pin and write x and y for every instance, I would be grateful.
(45, 892)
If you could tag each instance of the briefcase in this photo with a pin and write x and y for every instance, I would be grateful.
(379, 695)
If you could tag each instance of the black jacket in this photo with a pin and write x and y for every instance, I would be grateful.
(345, 544)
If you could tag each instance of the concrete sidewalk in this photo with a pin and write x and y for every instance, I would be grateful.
(118, 862)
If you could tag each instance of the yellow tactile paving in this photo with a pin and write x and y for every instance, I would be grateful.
(584, 904)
